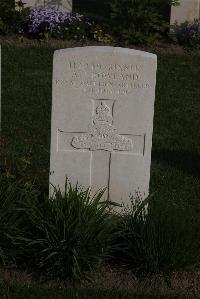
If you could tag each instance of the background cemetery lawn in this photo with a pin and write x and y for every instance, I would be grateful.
(26, 114)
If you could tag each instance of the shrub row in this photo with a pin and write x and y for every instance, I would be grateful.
(44, 23)
(126, 22)
(73, 233)
(140, 22)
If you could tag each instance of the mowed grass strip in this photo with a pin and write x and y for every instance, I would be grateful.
(175, 171)
(26, 121)
(26, 111)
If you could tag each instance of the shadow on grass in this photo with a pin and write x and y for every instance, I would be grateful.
(185, 161)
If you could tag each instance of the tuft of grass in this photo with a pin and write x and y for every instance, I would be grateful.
(165, 239)
(12, 218)
(70, 233)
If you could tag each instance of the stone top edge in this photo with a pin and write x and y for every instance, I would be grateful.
(107, 49)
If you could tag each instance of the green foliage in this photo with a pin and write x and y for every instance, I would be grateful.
(6, 15)
(140, 22)
(80, 29)
(98, 10)
(187, 34)
(11, 20)
(71, 233)
(11, 218)
(164, 240)
(7, 223)
(21, 21)
(100, 36)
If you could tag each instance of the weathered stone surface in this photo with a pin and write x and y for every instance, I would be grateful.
(102, 119)
(188, 10)
(63, 5)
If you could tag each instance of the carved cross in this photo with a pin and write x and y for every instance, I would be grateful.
(102, 141)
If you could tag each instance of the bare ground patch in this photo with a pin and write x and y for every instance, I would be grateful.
(186, 283)
(24, 42)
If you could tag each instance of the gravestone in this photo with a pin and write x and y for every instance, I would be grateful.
(62, 5)
(188, 10)
(0, 88)
(102, 120)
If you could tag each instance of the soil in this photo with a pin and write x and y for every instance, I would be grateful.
(185, 283)
(161, 47)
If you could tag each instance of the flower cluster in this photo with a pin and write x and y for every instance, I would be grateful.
(57, 23)
(188, 34)
(49, 19)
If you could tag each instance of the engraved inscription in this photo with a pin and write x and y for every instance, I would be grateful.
(104, 79)
(81, 65)
(102, 134)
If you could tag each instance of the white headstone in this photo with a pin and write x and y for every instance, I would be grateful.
(188, 10)
(102, 119)
(62, 5)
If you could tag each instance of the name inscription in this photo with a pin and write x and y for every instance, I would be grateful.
(104, 79)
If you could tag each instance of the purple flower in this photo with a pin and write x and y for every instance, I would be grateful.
(47, 19)
(188, 33)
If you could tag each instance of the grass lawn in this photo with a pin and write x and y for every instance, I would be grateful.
(26, 113)
(175, 170)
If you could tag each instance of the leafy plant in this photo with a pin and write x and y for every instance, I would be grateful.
(161, 240)
(11, 218)
(6, 15)
(187, 34)
(11, 20)
(140, 21)
(101, 36)
(98, 10)
(71, 233)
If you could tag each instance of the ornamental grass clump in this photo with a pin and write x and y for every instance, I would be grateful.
(164, 240)
(13, 218)
(67, 235)
(58, 24)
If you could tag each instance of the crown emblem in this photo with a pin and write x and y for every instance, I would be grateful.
(102, 134)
